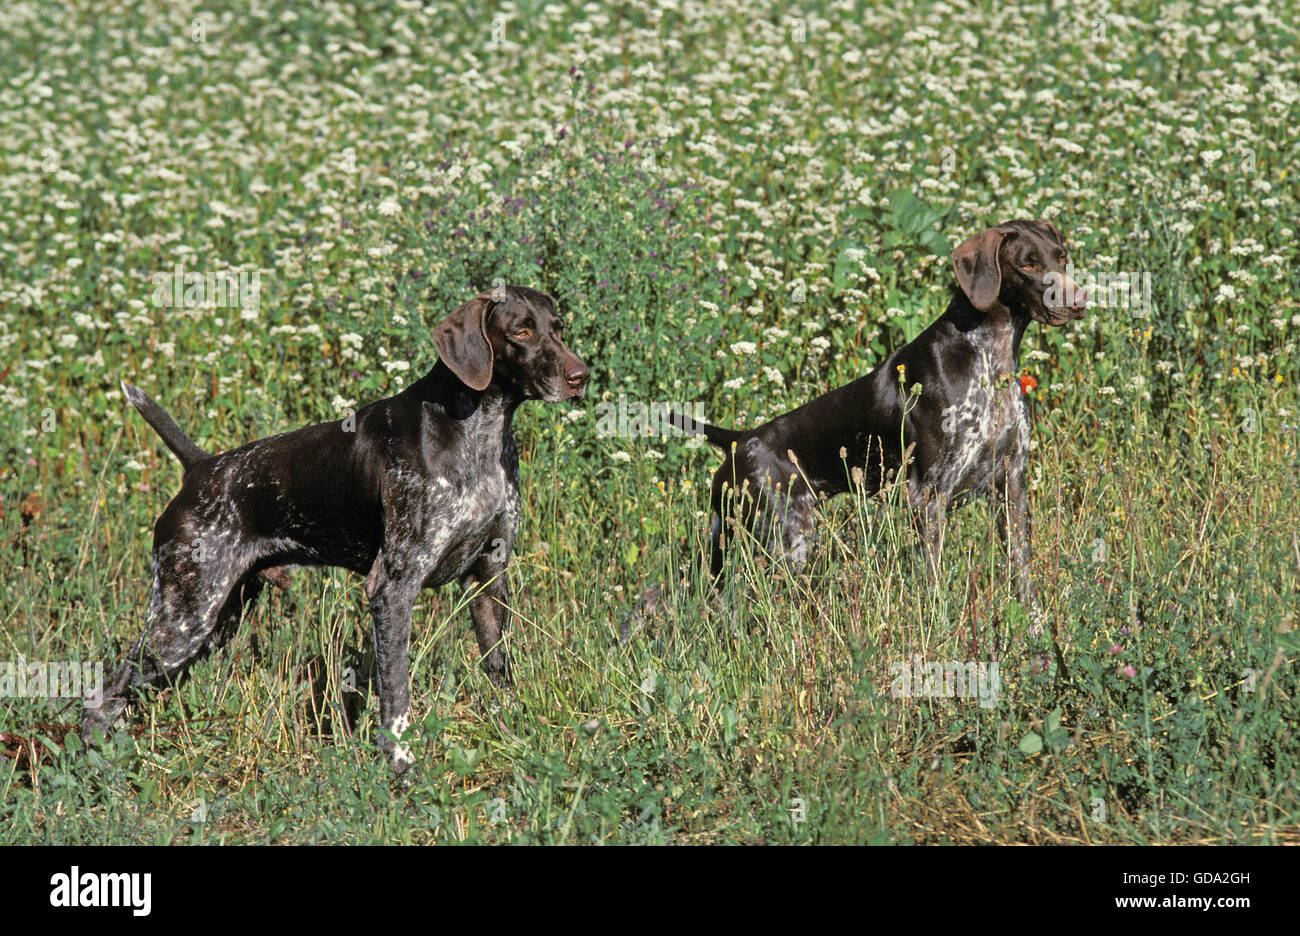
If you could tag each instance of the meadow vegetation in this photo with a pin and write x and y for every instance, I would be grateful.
(736, 204)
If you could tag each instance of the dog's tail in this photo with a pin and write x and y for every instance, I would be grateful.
(182, 446)
(715, 434)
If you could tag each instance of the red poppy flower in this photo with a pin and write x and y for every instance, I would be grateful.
(1027, 383)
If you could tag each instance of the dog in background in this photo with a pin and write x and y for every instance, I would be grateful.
(966, 434)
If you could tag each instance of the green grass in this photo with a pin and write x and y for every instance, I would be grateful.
(725, 214)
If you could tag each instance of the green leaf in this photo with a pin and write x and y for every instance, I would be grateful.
(937, 243)
(906, 212)
(1031, 743)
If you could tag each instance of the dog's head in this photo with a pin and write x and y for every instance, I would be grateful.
(511, 336)
(1020, 264)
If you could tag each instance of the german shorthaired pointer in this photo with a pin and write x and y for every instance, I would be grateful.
(967, 432)
(414, 491)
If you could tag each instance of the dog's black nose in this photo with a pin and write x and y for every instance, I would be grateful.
(576, 374)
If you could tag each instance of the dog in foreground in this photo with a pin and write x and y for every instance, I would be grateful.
(420, 490)
(967, 432)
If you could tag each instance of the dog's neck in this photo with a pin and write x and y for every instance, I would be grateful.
(999, 329)
(492, 407)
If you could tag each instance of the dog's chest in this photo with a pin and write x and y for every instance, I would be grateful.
(983, 428)
(468, 514)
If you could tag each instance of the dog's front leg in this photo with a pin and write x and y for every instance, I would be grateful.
(1011, 509)
(928, 515)
(489, 606)
(391, 599)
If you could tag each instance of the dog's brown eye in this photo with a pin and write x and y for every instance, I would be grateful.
(523, 334)
(1030, 267)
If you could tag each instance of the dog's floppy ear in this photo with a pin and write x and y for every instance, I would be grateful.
(978, 271)
(462, 343)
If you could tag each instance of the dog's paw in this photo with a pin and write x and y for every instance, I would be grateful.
(403, 778)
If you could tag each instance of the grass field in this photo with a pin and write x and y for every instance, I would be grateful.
(735, 205)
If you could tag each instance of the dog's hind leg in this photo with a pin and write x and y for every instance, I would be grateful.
(197, 602)
(232, 612)
(798, 526)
